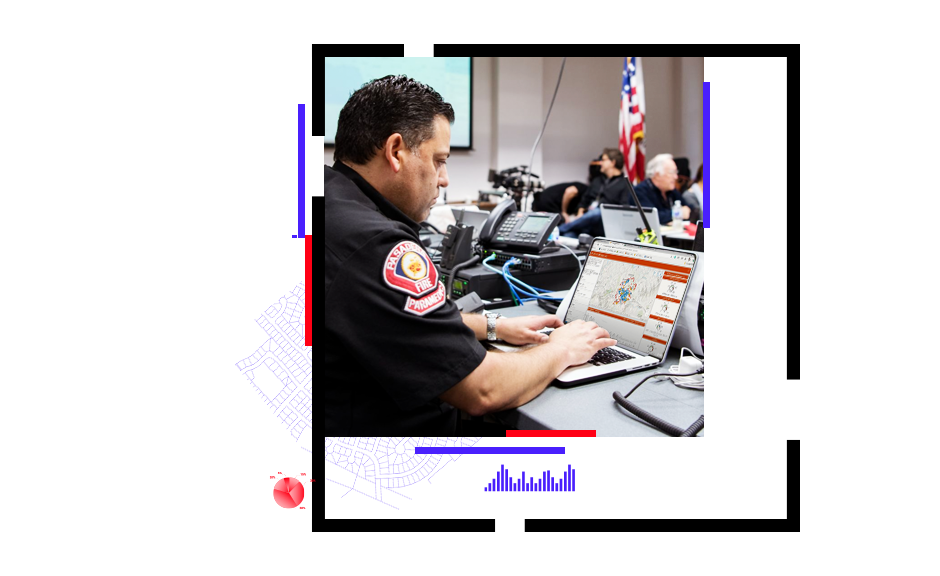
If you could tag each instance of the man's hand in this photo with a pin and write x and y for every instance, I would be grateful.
(686, 212)
(524, 329)
(581, 340)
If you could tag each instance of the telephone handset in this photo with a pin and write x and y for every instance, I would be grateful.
(520, 231)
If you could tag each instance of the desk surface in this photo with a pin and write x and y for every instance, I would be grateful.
(592, 406)
(677, 231)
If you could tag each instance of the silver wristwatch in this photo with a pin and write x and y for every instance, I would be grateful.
(491, 325)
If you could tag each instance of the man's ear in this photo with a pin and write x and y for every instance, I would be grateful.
(394, 146)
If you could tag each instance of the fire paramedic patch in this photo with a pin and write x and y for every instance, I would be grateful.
(409, 270)
(432, 301)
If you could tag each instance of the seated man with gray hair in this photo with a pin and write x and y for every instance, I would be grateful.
(659, 189)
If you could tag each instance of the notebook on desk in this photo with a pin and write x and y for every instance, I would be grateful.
(634, 291)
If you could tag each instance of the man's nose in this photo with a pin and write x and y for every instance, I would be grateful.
(443, 180)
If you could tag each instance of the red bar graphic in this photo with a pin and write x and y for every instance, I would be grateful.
(308, 283)
(663, 342)
(630, 320)
(651, 264)
(660, 318)
(551, 433)
(667, 298)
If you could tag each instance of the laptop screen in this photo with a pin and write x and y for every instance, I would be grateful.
(475, 218)
(634, 292)
(621, 222)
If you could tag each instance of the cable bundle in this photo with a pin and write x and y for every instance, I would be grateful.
(521, 292)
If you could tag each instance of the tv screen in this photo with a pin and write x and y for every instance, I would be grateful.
(452, 78)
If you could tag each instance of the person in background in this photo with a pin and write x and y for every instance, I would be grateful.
(560, 198)
(684, 176)
(659, 189)
(693, 196)
(565, 198)
(607, 189)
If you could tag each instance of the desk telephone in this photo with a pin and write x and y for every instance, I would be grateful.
(523, 232)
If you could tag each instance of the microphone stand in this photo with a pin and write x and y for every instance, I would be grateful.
(637, 202)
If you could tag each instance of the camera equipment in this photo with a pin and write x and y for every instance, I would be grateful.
(512, 181)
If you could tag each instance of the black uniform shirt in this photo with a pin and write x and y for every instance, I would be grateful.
(393, 342)
(605, 190)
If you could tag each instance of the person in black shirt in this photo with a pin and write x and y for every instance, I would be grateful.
(659, 189)
(560, 198)
(683, 174)
(609, 188)
(565, 198)
(399, 356)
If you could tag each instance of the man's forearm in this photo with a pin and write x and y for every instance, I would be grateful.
(509, 379)
(477, 323)
(566, 200)
(517, 378)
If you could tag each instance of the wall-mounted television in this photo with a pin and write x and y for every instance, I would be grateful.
(452, 78)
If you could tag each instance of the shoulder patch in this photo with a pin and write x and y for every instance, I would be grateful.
(408, 269)
(432, 301)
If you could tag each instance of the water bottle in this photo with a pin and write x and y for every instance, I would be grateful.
(677, 213)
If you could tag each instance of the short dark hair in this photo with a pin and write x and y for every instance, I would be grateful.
(615, 155)
(383, 107)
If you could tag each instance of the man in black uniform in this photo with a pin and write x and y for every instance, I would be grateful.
(400, 356)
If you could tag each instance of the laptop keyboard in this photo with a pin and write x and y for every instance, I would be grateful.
(603, 356)
(608, 356)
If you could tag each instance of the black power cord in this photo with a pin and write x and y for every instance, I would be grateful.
(453, 272)
(656, 421)
(427, 225)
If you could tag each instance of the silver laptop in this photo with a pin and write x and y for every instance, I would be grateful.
(634, 291)
(475, 218)
(621, 222)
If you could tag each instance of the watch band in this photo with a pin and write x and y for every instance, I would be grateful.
(491, 325)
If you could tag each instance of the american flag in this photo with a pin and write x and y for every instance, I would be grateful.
(632, 116)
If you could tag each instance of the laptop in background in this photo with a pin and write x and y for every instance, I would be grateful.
(475, 218)
(634, 291)
(621, 222)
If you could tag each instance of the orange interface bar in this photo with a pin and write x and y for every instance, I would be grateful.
(669, 267)
(667, 298)
(663, 342)
(676, 277)
(631, 321)
(659, 318)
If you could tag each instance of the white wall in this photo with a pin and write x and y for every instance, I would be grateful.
(512, 95)
(585, 115)
(691, 128)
